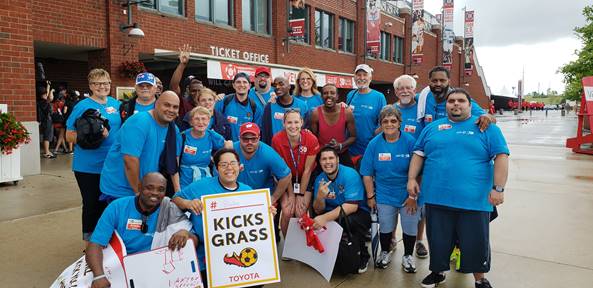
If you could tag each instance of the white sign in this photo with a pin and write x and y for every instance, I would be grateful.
(295, 247)
(238, 54)
(240, 241)
(160, 268)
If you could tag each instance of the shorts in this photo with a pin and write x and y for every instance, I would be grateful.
(444, 225)
(46, 132)
(388, 219)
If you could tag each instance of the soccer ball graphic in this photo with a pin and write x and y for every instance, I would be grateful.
(248, 257)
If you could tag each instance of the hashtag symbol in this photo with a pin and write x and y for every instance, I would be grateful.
(213, 205)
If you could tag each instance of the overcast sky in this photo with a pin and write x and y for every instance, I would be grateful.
(511, 34)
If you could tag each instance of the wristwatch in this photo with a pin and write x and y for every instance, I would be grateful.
(498, 188)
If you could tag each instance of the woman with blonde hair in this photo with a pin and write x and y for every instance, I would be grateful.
(306, 89)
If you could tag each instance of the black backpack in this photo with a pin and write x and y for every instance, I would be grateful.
(89, 129)
(126, 109)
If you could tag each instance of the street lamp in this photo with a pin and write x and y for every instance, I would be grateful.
(135, 32)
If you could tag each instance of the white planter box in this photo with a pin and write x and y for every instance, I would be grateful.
(10, 167)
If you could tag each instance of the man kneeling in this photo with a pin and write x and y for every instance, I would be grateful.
(135, 219)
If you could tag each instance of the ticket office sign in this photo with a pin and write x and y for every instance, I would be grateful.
(240, 241)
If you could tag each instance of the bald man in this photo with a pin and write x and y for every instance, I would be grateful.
(135, 219)
(273, 117)
(137, 149)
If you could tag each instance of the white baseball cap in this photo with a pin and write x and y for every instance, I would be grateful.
(364, 67)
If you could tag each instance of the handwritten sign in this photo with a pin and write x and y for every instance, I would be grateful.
(240, 241)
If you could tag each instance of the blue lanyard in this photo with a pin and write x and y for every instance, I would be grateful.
(295, 163)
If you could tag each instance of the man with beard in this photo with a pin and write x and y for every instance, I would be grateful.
(146, 90)
(239, 108)
(134, 218)
(333, 124)
(273, 117)
(464, 171)
(431, 102)
(366, 104)
(137, 149)
(262, 91)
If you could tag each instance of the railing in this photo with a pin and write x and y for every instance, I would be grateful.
(390, 8)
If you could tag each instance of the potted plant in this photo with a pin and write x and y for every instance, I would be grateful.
(131, 69)
(12, 135)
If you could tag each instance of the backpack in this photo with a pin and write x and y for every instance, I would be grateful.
(89, 129)
(349, 249)
(227, 100)
(126, 109)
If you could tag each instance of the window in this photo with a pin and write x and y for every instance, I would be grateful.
(295, 18)
(324, 29)
(257, 15)
(346, 36)
(385, 46)
(219, 12)
(398, 49)
(166, 6)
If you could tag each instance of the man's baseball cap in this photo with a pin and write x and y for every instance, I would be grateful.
(147, 78)
(364, 67)
(262, 69)
(241, 75)
(249, 127)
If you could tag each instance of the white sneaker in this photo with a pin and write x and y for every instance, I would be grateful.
(384, 259)
(408, 264)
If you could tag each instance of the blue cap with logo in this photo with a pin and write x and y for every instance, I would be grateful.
(147, 78)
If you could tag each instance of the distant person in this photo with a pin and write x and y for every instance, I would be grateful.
(44, 109)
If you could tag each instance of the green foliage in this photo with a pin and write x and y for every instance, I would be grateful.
(575, 70)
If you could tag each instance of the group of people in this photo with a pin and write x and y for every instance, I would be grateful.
(433, 155)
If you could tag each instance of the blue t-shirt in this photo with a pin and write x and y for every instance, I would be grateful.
(366, 109)
(196, 155)
(410, 123)
(347, 187)
(122, 216)
(195, 190)
(143, 108)
(435, 111)
(237, 114)
(253, 96)
(458, 163)
(389, 163)
(312, 101)
(277, 114)
(141, 137)
(257, 172)
(91, 160)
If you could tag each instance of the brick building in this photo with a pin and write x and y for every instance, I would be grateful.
(69, 37)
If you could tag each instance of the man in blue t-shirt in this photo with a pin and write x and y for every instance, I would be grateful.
(340, 187)
(366, 104)
(273, 117)
(137, 149)
(239, 108)
(146, 89)
(262, 91)
(464, 172)
(405, 90)
(135, 220)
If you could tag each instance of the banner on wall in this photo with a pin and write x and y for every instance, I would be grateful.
(448, 34)
(468, 42)
(296, 22)
(418, 26)
(373, 26)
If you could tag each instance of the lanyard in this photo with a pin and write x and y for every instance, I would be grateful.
(295, 163)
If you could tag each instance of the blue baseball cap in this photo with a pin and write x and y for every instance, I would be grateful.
(147, 78)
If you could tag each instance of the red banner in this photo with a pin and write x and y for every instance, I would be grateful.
(468, 42)
(229, 70)
(448, 34)
(418, 26)
(373, 26)
(339, 81)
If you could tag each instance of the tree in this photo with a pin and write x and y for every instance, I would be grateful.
(575, 70)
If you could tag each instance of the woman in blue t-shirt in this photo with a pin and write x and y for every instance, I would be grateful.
(198, 144)
(306, 89)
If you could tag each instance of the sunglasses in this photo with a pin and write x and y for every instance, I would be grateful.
(249, 139)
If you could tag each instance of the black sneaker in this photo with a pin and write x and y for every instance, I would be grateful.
(421, 251)
(484, 283)
(432, 280)
(364, 265)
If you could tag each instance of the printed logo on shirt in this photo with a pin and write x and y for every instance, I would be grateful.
(303, 150)
(384, 156)
(136, 111)
(256, 171)
(444, 127)
(402, 155)
(191, 150)
(110, 110)
(278, 116)
(465, 132)
(370, 107)
(428, 118)
(134, 224)
(410, 128)
(232, 119)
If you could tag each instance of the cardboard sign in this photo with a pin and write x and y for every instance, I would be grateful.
(240, 241)
(295, 247)
(164, 268)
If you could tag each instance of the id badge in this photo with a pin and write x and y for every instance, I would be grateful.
(296, 188)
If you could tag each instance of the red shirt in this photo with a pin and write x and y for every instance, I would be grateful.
(309, 147)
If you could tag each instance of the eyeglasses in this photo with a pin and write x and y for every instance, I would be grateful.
(249, 139)
(101, 84)
(144, 226)
(224, 165)
(387, 121)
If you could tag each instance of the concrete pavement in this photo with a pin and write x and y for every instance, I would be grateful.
(541, 238)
